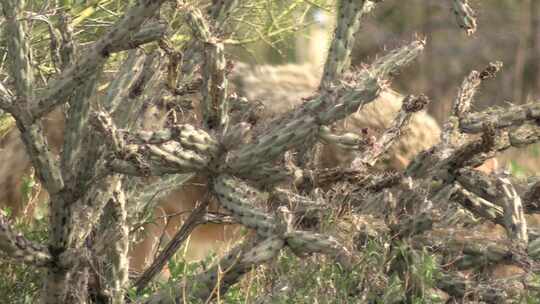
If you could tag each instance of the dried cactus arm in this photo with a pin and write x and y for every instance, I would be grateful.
(77, 130)
(67, 48)
(305, 242)
(126, 105)
(14, 246)
(501, 118)
(19, 49)
(478, 205)
(214, 87)
(381, 68)
(514, 216)
(463, 102)
(479, 183)
(470, 86)
(411, 105)
(239, 199)
(87, 209)
(214, 91)
(119, 89)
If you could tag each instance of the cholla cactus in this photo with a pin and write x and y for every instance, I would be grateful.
(103, 171)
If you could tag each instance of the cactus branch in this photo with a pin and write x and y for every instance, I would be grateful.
(469, 87)
(348, 22)
(219, 12)
(214, 89)
(191, 150)
(465, 16)
(16, 247)
(19, 50)
(223, 275)
(515, 115)
(75, 75)
(115, 217)
(148, 33)
(514, 216)
(411, 104)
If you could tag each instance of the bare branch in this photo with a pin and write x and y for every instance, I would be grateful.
(178, 239)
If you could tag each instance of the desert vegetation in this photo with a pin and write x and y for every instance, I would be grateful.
(119, 104)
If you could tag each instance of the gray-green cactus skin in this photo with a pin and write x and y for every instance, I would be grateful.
(106, 159)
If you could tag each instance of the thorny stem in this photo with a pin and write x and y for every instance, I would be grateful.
(349, 15)
(465, 16)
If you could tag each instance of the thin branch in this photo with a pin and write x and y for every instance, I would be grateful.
(178, 239)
